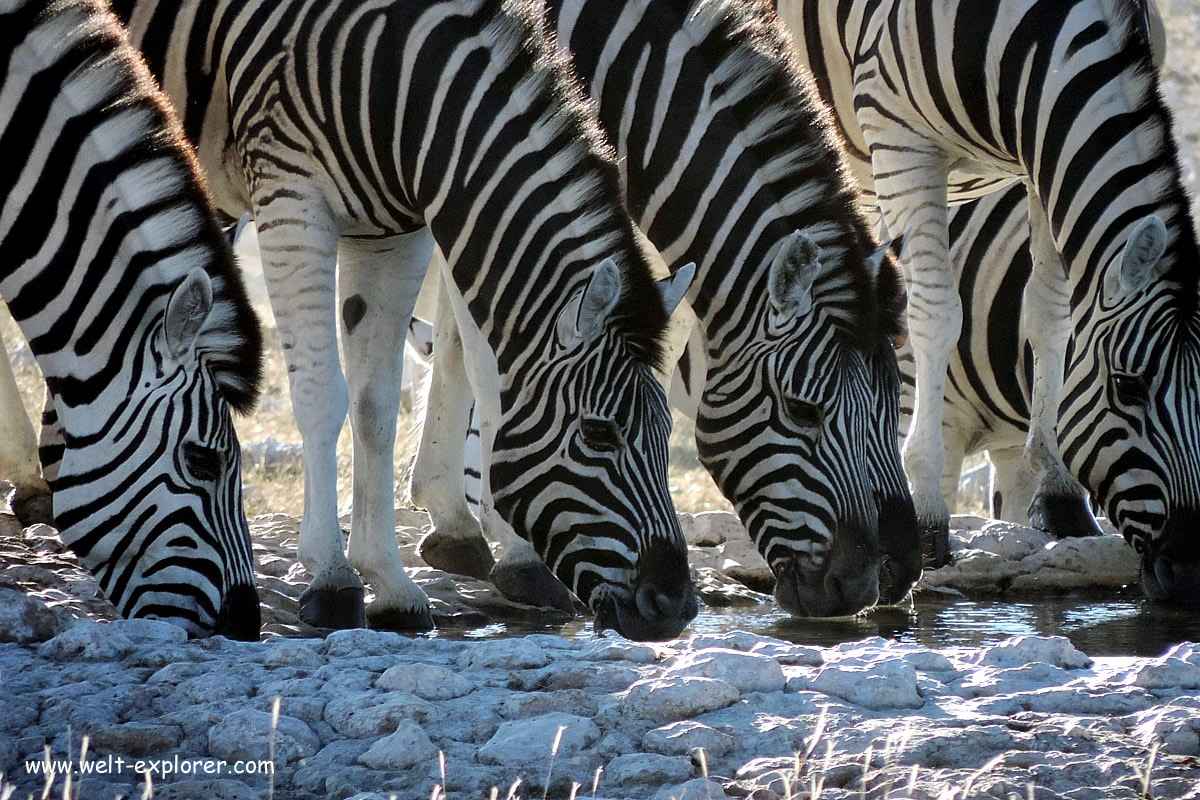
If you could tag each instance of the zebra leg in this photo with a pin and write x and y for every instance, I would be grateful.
(456, 543)
(1013, 486)
(30, 496)
(520, 575)
(299, 258)
(1060, 503)
(378, 282)
(911, 184)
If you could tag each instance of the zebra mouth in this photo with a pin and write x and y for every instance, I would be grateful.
(1172, 581)
(627, 617)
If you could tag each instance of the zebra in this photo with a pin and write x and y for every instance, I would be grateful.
(359, 133)
(115, 268)
(728, 162)
(989, 383)
(1077, 117)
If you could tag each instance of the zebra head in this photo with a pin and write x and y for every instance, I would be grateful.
(151, 500)
(579, 463)
(798, 426)
(1131, 409)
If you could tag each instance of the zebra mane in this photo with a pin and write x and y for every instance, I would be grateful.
(1184, 254)
(639, 317)
(791, 132)
(230, 341)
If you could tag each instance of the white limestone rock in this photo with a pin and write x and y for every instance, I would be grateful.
(405, 747)
(1165, 673)
(529, 741)
(697, 789)
(647, 769)
(677, 697)
(887, 684)
(360, 642)
(747, 672)
(154, 632)
(244, 735)
(505, 653)
(25, 619)
(428, 681)
(87, 641)
(712, 528)
(1055, 650)
(220, 789)
(284, 653)
(684, 737)
(618, 649)
(359, 715)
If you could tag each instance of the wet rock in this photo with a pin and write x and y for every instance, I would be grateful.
(360, 642)
(405, 747)
(428, 681)
(244, 735)
(682, 738)
(677, 697)
(25, 619)
(647, 769)
(746, 672)
(530, 741)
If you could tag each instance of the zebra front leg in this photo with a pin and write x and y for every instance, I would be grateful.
(1060, 503)
(379, 281)
(299, 258)
(521, 574)
(456, 543)
(911, 184)
(30, 495)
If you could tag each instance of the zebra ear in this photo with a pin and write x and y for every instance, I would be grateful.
(675, 287)
(1143, 251)
(874, 262)
(792, 274)
(234, 231)
(187, 311)
(586, 313)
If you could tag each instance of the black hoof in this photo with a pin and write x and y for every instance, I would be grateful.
(400, 619)
(32, 507)
(471, 557)
(333, 608)
(532, 584)
(1063, 516)
(935, 544)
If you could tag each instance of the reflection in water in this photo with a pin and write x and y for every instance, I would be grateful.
(1097, 626)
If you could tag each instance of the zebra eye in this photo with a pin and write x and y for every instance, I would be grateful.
(203, 462)
(1131, 390)
(806, 415)
(600, 434)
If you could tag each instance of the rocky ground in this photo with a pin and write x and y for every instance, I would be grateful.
(709, 715)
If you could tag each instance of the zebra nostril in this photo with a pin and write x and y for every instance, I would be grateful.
(654, 603)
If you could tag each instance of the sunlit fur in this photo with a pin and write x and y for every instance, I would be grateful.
(104, 215)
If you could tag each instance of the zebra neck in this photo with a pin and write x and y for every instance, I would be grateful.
(722, 148)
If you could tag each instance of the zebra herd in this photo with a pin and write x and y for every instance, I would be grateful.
(526, 139)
